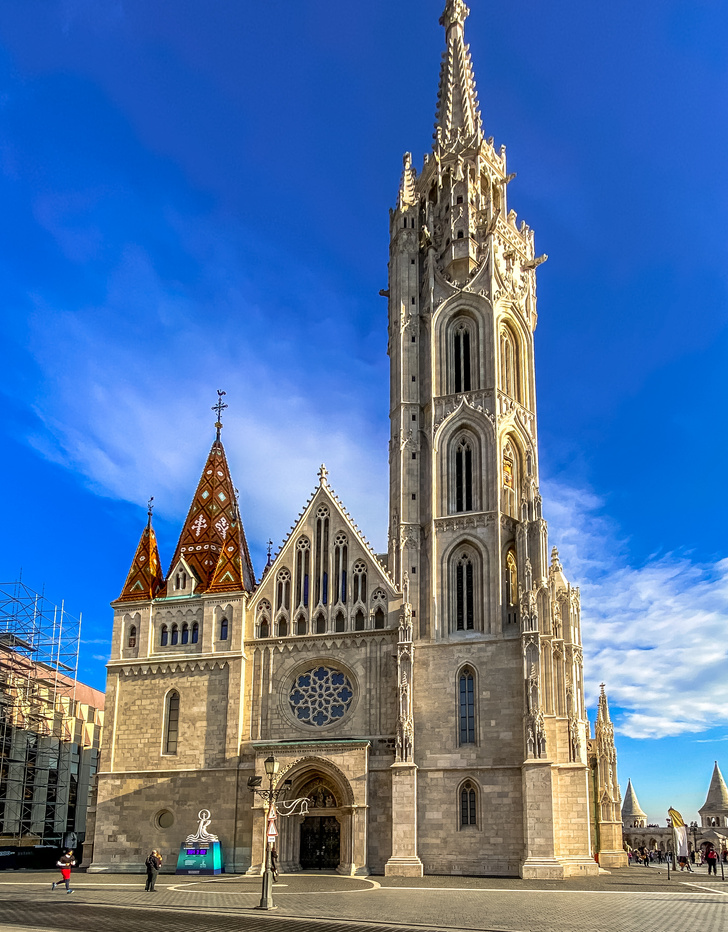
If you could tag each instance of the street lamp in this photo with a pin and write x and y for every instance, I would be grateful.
(272, 766)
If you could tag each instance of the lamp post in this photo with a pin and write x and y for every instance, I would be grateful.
(272, 766)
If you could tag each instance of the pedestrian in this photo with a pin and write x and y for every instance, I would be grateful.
(152, 863)
(712, 858)
(274, 863)
(65, 863)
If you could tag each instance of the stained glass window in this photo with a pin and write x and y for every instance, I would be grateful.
(320, 696)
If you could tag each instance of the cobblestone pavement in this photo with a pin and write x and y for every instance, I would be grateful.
(629, 900)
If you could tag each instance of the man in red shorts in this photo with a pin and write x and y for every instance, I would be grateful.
(65, 863)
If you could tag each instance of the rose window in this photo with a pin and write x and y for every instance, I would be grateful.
(320, 696)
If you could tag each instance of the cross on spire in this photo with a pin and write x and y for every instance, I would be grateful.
(219, 408)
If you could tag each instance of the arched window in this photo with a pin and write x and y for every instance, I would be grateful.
(303, 571)
(301, 624)
(195, 633)
(283, 590)
(132, 637)
(511, 588)
(379, 618)
(321, 595)
(171, 731)
(340, 622)
(359, 621)
(511, 479)
(461, 339)
(185, 633)
(360, 581)
(175, 634)
(464, 593)
(464, 476)
(282, 628)
(224, 629)
(264, 629)
(181, 580)
(509, 364)
(468, 806)
(466, 706)
(320, 624)
(164, 637)
(341, 560)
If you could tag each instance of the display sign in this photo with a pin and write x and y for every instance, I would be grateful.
(205, 859)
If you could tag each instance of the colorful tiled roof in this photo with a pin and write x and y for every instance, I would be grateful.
(145, 577)
(212, 523)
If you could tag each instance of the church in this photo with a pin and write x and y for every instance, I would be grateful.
(428, 703)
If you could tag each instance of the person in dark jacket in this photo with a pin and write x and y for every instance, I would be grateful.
(153, 864)
(711, 857)
(65, 863)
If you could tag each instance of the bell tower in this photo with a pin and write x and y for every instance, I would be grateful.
(498, 687)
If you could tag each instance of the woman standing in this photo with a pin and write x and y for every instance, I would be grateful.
(153, 864)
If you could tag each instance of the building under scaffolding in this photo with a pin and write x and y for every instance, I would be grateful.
(50, 725)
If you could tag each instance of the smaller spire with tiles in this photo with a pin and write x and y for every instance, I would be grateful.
(145, 577)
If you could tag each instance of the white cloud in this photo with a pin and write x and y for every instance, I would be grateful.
(655, 634)
(127, 388)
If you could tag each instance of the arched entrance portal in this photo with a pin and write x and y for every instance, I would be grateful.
(323, 838)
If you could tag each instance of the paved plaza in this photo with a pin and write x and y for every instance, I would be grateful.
(629, 900)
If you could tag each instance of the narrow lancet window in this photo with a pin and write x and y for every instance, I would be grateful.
(464, 595)
(466, 702)
(172, 724)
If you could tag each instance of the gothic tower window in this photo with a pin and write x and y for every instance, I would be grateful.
(282, 628)
(321, 556)
(510, 588)
(264, 628)
(511, 479)
(378, 618)
(341, 556)
(464, 592)
(340, 622)
(224, 629)
(171, 725)
(320, 623)
(164, 636)
(301, 624)
(185, 633)
(360, 581)
(303, 571)
(468, 806)
(195, 633)
(132, 636)
(359, 620)
(466, 706)
(461, 357)
(509, 364)
(175, 634)
(464, 476)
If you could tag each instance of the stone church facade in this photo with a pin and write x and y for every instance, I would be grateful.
(428, 702)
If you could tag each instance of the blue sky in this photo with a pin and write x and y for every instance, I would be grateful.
(195, 197)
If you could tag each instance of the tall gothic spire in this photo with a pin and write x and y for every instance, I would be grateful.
(457, 100)
(213, 526)
(603, 708)
(145, 577)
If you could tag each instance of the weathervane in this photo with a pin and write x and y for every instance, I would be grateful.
(219, 408)
(270, 549)
(150, 509)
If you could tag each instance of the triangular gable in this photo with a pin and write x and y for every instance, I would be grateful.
(340, 516)
(145, 576)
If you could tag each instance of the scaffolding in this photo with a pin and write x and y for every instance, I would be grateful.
(40, 731)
